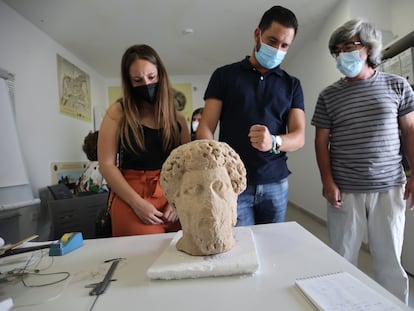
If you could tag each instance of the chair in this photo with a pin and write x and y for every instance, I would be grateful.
(77, 214)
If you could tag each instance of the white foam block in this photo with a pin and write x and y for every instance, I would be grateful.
(6, 304)
(174, 264)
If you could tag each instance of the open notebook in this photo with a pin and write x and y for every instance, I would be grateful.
(342, 292)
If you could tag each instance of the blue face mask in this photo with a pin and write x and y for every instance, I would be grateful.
(350, 63)
(268, 56)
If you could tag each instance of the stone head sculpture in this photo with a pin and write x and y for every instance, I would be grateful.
(202, 180)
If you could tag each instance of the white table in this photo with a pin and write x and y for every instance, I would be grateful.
(286, 252)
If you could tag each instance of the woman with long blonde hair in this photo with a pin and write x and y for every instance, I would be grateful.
(142, 128)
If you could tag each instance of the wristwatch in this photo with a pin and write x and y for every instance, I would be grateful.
(277, 142)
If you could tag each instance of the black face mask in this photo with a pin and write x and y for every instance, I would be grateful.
(146, 92)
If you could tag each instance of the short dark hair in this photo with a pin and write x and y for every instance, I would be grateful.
(197, 111)
(280, 15)
(90, 146)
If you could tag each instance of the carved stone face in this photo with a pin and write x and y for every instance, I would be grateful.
(202, 180)
(207, 207)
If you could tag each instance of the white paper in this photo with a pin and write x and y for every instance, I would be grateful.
(342, 292)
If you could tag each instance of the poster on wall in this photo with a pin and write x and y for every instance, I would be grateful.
(114, 93)
(74, 90)
(183, 99)
(181, 92)
(67, 172)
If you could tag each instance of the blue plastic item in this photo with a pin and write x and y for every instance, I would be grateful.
(67, 243)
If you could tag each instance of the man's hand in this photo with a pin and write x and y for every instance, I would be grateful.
(260, 137)
(409, 191)
(332, 193)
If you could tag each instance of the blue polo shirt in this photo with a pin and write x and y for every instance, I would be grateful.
(249, 98)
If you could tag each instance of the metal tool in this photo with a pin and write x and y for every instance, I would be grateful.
(9, 247)
(20, 250)
(101, 287)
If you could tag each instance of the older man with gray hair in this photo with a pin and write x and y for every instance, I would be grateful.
(358, 120)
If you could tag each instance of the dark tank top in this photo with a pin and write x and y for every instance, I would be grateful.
(151, 158)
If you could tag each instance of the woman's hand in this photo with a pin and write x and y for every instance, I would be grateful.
(170, 214)
(148, 213)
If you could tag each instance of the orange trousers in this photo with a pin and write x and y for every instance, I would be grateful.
(124, 221)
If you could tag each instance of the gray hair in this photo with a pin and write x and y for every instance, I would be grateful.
(368, 34)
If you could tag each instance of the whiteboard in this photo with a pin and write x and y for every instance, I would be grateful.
(12, 169)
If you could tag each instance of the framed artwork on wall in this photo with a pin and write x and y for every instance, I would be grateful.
(67, 172)
(183, 99)
(74, 90)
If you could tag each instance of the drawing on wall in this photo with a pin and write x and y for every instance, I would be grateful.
(183, 99)
(74, 90)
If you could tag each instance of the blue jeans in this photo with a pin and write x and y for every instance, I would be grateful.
(262, 204)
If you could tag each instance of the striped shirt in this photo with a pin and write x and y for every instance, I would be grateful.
(364, 134)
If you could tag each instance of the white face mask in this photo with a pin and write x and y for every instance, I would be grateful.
(194, 125)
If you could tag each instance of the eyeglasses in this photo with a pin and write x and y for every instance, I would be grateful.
(346, 47)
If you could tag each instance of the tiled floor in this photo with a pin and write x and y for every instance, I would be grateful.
(318, 228)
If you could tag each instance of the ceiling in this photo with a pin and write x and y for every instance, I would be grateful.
(99, 31)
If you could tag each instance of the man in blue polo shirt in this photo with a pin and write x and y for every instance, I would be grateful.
(261, 112)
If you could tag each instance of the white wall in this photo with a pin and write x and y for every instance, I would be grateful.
(45, 134)
(402, 21)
